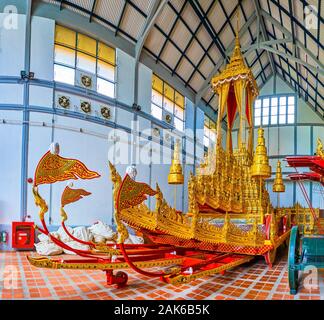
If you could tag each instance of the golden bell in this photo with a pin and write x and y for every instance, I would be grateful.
(175, 176)
(260, 167)
(278, 185)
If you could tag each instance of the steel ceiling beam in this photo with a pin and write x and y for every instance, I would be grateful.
(288, 33)
(295, 51)
(92, 9)
(150, 21)
(193, 35)
(205, 85)
(210, 45)
(293, 58)
(255, 46)
(167, 38)
(153, 15)
(208, 28)
(264, 32)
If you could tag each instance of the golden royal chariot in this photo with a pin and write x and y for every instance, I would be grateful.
(230, 219)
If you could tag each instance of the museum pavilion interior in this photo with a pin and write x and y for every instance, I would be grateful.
(161, 149)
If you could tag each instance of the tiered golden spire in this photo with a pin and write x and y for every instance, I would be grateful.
(278, 185)
(236, 68)
(260, 167)
(175, 176)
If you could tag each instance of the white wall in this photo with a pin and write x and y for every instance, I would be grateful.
(12, 44)
(125, 77)
(10, 146)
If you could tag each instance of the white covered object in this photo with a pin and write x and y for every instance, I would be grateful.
(98, 239)
(82, 233)
(134, 240)
(44, 238)
(75, 245)
(102, 229)
(63, 235)
(45, 248)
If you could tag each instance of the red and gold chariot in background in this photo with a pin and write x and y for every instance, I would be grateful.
(230, 218)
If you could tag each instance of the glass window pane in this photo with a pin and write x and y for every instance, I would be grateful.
(257, 121)
(291, 109)
(87, 44)
(274, 111)
(65, 36)
(157, 97)
(106, 53)
(206, 131)
(64, 74)
(105, 87)
(265, 111)
(206, 141)
(266, 102)
(291, 118)
(257, 112)
(212, 135)
(106, 70)
(168, 105)
(265, 120)
(64, 55)
(168, 92)
(282, 119)
(291, 100)
(179, 99)
(274, 119)
(156, 111)
(157, 83)
(178, 112)
(86, 62)
(274, 101)
(178, 124)
(258, 103)
(282, 101)
(282, 109)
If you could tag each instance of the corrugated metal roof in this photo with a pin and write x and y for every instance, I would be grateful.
(110, 10)
(181, 35)
(155, 41)
(185, 69)
(166, 19)
(132, 22)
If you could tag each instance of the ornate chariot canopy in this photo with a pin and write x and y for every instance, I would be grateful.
(236, 88)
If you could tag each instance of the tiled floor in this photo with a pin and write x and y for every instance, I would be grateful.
(252, 281)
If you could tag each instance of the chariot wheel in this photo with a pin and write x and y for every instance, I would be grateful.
(287, 241)
(293, 259)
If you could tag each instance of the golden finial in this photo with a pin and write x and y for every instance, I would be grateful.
(319, 149)
(237, 23)
(260, 167)
(175, 176)
(278, 185)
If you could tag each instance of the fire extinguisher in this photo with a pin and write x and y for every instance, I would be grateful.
(3, 237)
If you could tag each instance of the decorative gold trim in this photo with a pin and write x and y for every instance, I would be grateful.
(44, 262)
